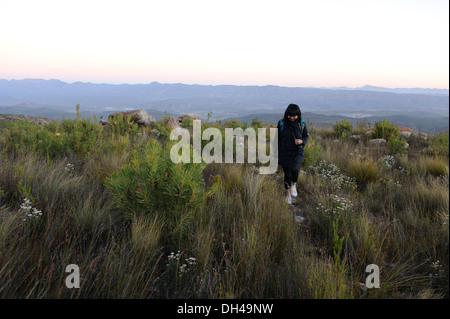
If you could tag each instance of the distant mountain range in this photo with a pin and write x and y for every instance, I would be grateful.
(397, 90)
(57, 99)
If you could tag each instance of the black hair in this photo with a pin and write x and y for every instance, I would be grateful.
(292, 110)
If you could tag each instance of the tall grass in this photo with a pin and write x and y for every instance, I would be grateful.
(111, 209)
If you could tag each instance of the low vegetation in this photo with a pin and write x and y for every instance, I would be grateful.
(109, 200)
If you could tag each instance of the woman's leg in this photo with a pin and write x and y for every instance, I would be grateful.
(294, 173)
(287, 177)
(287, 180)
(294, 178)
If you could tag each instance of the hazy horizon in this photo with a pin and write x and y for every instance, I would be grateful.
(323, 43)
(219, 84)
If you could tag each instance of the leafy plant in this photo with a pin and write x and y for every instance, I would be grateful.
(82, 134)
(312, 152)
(187, 123)
(256, 123)
(396, 144)
(151, 184)
(343, 128)
(385, 129)
(440, 144)
(234, 123)
(119, 125)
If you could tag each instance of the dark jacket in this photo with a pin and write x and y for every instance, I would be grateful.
(288, 152)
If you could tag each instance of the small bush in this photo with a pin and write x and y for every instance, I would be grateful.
(256, 123)
(234, 123)
(312, 152)
(343, 128)
(385, 129)
(151, 184)
(440, 144)
(187, 123)
(82, 134)
(161, 129)
(118, 125)
(396, 145)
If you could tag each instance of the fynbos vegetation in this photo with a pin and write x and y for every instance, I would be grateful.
(109, 200)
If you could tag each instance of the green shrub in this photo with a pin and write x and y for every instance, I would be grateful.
(234, 123)
(160, 129)
(118, 125)
(396, 144)
(187, 123)
(82, 135)
(151, 184)
(343, 128)
(385, 129)
(256, 123)
(53, 140)
(440, 144)
(47, 140)
(312, 152)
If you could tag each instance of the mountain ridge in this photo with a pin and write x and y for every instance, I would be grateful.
(223, 101)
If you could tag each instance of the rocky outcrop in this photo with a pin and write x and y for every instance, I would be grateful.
(176, 121)
(140, 117)
(190, 115)
(405, 132)
(423, 136)
(173, 122)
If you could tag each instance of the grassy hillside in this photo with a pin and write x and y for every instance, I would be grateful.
(60, 115)
(110, 200)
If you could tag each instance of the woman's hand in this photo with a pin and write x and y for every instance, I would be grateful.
(298, 141)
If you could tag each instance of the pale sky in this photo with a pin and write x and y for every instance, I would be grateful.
(390, 43)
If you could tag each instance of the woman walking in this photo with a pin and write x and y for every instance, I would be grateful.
(292, 138)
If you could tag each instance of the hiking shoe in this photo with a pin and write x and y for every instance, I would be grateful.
(294, 191)
(289, 199)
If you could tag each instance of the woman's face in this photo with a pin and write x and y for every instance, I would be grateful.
(292, 118)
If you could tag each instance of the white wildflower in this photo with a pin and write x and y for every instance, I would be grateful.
(387, 162)
(28, 211)
(155, 132)
(69, 167)
(332, 173)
